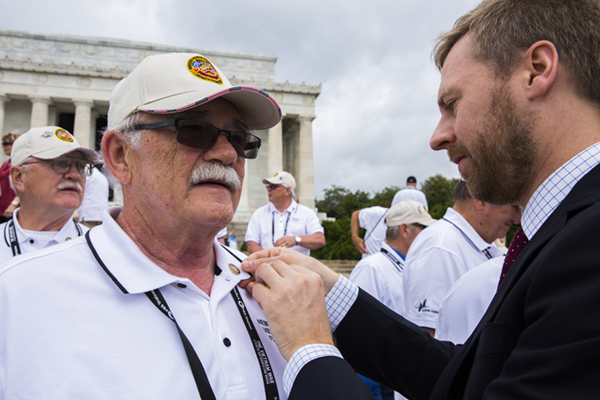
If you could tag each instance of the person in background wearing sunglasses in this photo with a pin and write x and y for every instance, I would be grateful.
(381, 274)
(283, 222)
(48, 174)
(146, 305)
(8, 201)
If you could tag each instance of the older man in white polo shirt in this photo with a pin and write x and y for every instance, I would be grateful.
(48, 172)
(146, 305)
(284, 222)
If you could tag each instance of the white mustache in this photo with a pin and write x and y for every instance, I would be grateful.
(69, 185)
(216, 172)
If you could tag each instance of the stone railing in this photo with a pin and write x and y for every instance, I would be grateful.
(344, 267)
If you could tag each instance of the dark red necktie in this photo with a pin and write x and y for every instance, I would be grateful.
(516, 246)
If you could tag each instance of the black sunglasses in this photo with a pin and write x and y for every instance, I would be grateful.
(273, 187)
(201, 135)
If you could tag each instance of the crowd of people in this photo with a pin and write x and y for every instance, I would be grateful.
(143, 300)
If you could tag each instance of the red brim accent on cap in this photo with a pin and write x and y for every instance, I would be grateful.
(257, 108)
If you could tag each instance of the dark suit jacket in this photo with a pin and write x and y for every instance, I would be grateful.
(539, 339)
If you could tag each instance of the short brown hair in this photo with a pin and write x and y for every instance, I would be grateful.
(504, 29)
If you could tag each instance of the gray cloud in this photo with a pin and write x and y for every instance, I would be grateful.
(377, 108)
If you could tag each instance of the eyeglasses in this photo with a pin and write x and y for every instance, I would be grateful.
(201, 135)
(273, 187)
(6, 144)
(62, 165)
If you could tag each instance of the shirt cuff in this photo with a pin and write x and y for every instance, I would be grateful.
(339, 300)
(303, 356)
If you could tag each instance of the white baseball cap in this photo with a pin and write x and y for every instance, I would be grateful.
(408, 212)
(47, 142)
(282, 178)
(175, 82)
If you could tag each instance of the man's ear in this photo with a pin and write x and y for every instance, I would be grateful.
(16, 176)
(541, 64)
(116, 153)
(404, 230)
(479, 205)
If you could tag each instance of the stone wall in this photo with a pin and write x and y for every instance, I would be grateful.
(344, 267)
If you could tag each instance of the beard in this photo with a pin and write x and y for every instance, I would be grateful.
(502, 169)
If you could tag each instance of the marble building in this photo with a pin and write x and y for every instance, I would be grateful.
(67, 80)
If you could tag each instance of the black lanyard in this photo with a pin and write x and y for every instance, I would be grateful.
(394, 260)
(485, 251)
(273, 226)
(14, 240)
(202, 382)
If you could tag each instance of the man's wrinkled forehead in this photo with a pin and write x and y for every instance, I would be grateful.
(198, 113)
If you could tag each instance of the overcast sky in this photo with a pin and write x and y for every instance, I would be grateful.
(377, 107)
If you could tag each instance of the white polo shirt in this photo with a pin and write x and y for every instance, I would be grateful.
(68, 331)
(372, 219)
(381, 276)
(95, 197)
(29, 241)
(268, 224)
(410, 193)
(467, 301)
(439, 256)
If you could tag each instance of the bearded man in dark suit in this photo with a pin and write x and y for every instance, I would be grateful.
(520, 115)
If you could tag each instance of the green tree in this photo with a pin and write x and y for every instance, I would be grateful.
(383, 198)
(439, 191)
(339, 243)
(339, 202)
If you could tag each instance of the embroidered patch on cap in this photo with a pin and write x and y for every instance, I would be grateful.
(201, 68)
(63, 135)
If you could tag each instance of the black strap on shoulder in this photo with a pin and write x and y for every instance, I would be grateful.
(12, 237)
(397, 264)
(202, 383)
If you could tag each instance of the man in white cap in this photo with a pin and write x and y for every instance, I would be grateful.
(48, 173)
(146, 305)
(283, 222)
(381, 274)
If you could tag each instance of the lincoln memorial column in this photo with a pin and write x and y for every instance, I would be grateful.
(82, 129)
(3, 99)
(306, 176)
(39, 111)
(275, 150)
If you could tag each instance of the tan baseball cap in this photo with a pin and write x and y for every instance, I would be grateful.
(175, 82)
(282, 178)
(408, 212)
(47, 142)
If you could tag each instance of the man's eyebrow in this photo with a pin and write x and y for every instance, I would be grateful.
(240, 125)
(193, 114)
(200, 115)
(441, 102)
